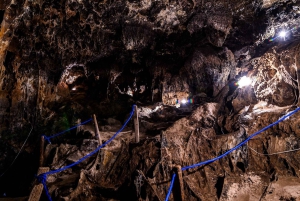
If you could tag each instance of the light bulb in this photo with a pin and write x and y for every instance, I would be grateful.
(244, 81)
(282, 34)
(184, 101)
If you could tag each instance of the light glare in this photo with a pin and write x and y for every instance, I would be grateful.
(183, 101)
(282, 34)
(244, 81)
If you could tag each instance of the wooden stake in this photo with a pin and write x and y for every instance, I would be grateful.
(180, 181)
(97, 129)
(42, 150)
(78, 129)
(136, 124)
(37, 190)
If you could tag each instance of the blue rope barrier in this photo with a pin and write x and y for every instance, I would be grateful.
(234, 148)
(60, 133)
(171, 186)
(42, 178)
(242, 143)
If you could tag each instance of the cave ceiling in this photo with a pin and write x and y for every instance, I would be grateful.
(63, 60)
(147, 51)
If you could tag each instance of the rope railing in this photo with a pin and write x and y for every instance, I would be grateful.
(62, 132)
(231, 150)
(171, 186)
(42, 178)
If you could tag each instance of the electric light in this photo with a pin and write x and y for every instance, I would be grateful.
(184, 101)
(282, 34)
(74, 88)
(244, 81)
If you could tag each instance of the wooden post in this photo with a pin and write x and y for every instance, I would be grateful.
(42, 150)
(37, 190)
(180, 181)
(78, 129)
(136, 124)
(97, 129)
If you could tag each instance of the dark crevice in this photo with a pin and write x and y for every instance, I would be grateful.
(241, 166)
(273, 176)
(151, 171)
(8, 59)
(286, 164)
(219, 186)
(289, 168)
(231, 165)
(1, 16)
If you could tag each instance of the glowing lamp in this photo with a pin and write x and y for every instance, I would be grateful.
(184, 101)
(244, 81)
(282, 34)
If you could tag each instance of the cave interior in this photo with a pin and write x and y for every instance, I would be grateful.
(182, 63)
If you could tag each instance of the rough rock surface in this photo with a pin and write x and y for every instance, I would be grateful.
(63, 60)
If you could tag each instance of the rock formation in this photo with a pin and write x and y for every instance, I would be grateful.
(62, 61)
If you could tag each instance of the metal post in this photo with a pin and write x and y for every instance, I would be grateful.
(136, 124)
(97, 129)
(180, 181)
(42, 150)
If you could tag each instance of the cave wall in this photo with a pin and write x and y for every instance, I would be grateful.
(118, 45)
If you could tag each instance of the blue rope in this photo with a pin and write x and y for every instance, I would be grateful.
(242, 143)
(234, 148)
(43, 177)
(171, 186)
(60, 133)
